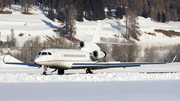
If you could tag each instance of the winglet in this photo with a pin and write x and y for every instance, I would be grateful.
(174, 58)
(4, 59)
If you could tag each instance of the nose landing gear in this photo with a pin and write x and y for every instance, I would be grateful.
(89, 70)
(45, 69)
(60, 71)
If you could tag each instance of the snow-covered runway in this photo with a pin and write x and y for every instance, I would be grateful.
(145, 83)
(92, 91)
(21, 74)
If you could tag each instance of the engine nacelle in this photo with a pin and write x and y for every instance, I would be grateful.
(98, 54)
(81, 44)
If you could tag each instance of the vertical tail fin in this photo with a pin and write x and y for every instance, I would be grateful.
(97, 33)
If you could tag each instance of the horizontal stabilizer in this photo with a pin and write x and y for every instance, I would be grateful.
(114, 43)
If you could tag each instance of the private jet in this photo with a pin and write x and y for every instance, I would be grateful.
(87, 57)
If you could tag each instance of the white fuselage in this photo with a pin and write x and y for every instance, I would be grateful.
(61, 58)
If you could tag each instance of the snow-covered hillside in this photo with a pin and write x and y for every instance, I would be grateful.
(39, 25)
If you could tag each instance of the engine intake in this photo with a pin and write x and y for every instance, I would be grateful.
(81, 44)
(98, 54)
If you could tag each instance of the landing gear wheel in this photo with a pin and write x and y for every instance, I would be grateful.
(89, 71)
(60, 71)
(44, 73)
(45, 69)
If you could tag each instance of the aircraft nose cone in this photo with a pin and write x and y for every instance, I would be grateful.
(36, 60)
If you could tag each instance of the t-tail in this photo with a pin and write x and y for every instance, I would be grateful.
(93, 46)
(97, 36)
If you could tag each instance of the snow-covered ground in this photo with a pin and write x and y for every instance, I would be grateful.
(92, 91)
(145, 83)
(20, 74)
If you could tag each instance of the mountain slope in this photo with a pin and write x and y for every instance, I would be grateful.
(38, 24)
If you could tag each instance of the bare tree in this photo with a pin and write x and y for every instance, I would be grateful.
(36, 46)
(56, 42)
(25, 5)
(174, 51)
(151, 54)
(70, 22)
(106, 48)
(153, 13)
(125, 53)
(1, 5)
(25, 53)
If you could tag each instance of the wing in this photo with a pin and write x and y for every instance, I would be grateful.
(110, 65)
(27, 64)
(18, 63)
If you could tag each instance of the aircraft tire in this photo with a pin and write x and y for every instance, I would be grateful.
(44, 73)
(60, 71)
(88, 71)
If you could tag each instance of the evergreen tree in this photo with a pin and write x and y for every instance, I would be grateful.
(158, 17)
(145, 9)
(97, 9)
(51, 14)
(163, 18)
(61, 16)
(109, 13)
(87, 9)
(124, 10)
(179, 14)
(80, 8)
(58, 5)
(94, 9)
(119, 12)
(102, 13)
(67, 2)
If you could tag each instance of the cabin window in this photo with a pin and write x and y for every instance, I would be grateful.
(44, 53)
(73, 55)
(39, 53)
(49, 53)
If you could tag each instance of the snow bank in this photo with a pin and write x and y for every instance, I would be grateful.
(100, 77)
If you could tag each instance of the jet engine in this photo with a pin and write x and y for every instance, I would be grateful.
(98, 54)
(81, 44)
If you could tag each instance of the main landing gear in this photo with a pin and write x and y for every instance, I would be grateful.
(60, 71)
(89, 71)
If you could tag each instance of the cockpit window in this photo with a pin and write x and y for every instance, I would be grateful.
(49, 53)
(39, 53)
(44, 53)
